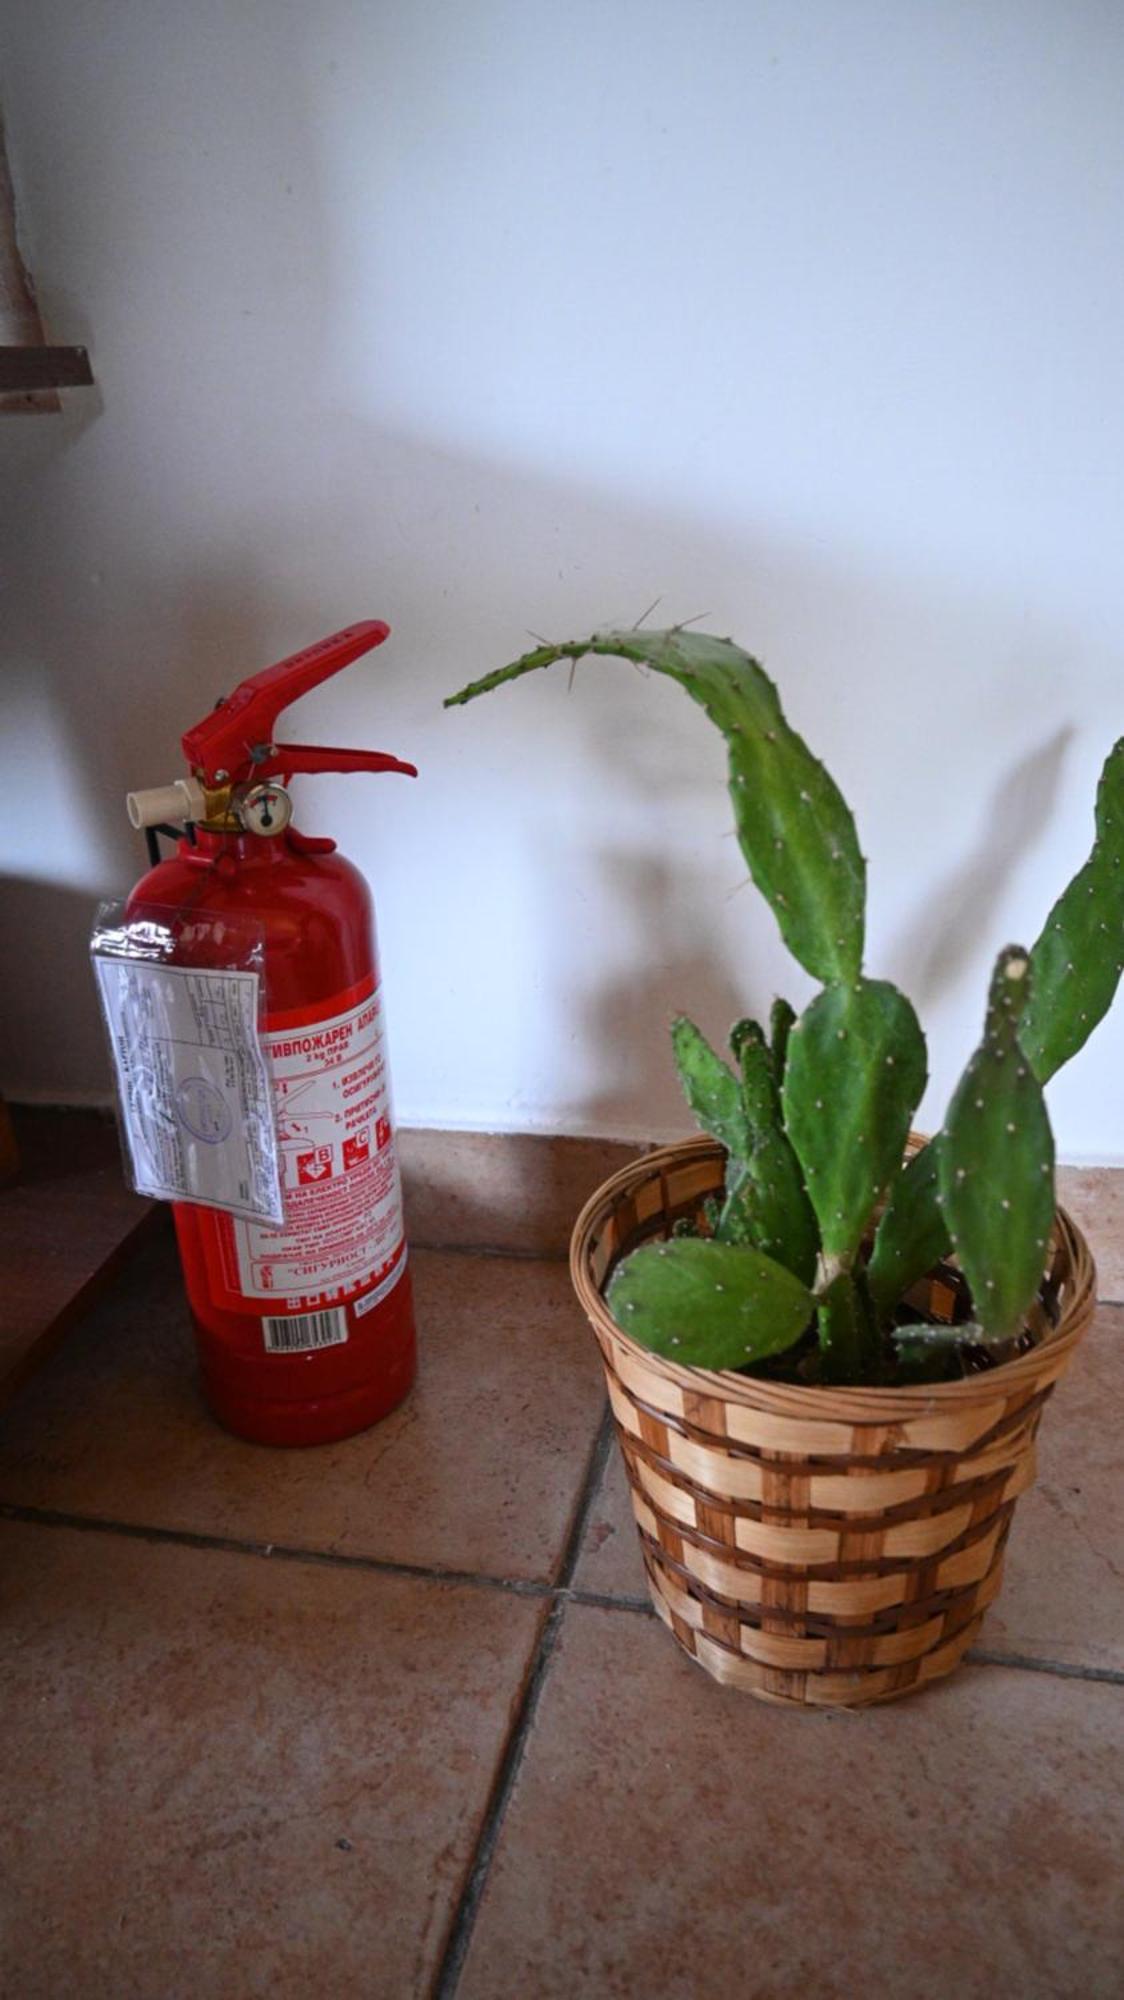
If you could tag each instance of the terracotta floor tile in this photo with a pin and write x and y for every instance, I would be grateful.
(610, 1554)
(1094, 1197)
(225, 1776)
(502, 1190)
(1063, 1586)
(673, 1840)
(1062, 1596)
(478, 1470)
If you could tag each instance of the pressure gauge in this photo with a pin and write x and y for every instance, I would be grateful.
(265, 809)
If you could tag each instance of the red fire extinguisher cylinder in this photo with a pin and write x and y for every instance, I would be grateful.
(304, 1330)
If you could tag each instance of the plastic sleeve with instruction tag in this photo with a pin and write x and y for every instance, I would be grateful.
(193, 1085)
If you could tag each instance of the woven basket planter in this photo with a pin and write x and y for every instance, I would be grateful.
(817, 1545)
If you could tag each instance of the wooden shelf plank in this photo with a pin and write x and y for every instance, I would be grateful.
(23, 368)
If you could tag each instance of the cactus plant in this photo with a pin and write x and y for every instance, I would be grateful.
(827, 1222)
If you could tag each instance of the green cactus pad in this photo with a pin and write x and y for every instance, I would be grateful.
(855, 1071)
(913, 1234)
(939, 1353)
(1076, 963)
(767, 1205)
(794, 826)
(708, 1305)
(920, 1361)
(938, 1338)
(760, 1096)
(996, 1162)
(848, 1342)
(711, 1089)
(743, 1031)
(781, 1020)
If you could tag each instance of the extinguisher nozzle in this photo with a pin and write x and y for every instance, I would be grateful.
(163, 804)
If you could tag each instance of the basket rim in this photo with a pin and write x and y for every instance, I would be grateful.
(876, 1403)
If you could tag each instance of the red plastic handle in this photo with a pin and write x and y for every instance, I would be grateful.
(318, 757)
(236, 739)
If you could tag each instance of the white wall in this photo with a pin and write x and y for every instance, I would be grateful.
(483, 316)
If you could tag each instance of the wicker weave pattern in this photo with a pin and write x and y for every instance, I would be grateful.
(814, 1545)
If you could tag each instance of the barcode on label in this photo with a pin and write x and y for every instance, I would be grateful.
(300, 1332)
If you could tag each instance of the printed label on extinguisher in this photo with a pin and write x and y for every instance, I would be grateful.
(342, 1228)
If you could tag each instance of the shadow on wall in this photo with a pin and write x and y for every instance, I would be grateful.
(939, 946)
(53, 1045)
(455, 553)
(196, 536)
(674, 968)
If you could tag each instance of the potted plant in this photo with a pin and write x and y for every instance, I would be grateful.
(828, 1340)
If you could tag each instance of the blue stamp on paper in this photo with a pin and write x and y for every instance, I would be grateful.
(204, 1110)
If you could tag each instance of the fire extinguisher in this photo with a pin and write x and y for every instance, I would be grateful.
(305, 1331)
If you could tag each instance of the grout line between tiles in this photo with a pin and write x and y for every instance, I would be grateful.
(583, 1504)
(464, 1916)
(48, 1517)
(138, 1531)
(514, 1253)
(556, 1595)
(602, 1600)
(980, 1656)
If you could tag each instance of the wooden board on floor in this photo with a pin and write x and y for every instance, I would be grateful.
(67, 1224)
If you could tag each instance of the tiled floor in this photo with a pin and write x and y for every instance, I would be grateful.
(392, 1718)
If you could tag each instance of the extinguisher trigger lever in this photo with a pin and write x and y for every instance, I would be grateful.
(287, 759)
(237, 735)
